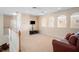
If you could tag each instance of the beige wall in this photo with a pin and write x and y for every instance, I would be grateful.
(1, 30)
(3, 38)
(7, 20)
(25, 24)
(4, 25)
(60, 32)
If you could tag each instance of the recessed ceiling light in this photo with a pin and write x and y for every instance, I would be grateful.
(44, 12)
(14, 13)
(11, 14)
(59, 8)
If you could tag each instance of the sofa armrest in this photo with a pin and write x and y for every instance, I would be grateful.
(62, 47)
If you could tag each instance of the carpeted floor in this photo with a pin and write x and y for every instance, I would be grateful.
(37, 43)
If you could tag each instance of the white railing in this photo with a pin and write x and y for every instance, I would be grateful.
(14, 41)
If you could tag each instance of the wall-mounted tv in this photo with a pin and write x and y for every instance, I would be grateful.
(32, 22)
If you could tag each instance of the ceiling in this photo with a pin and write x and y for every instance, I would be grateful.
(31, 10)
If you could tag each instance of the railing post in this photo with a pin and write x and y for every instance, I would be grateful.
(19, 41)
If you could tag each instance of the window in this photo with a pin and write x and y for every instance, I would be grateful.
(74, 20)
(51, 22)
(61, 21)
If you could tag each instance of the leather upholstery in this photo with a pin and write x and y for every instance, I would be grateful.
(62, 47)
(68, 35)
(73, 40)
(73, 45)
(77, 45)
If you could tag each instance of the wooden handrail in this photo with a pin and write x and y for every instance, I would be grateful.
(19, 41)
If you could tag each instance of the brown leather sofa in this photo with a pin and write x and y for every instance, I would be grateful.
(73, 45)
(4, 46)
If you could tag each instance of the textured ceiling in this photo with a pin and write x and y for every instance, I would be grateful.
(31, 10)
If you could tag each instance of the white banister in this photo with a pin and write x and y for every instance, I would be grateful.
(14, 41)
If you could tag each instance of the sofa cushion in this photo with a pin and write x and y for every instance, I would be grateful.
(59, 46)
(73, 40)
(68, 35)
(0, 49)
(77, 45)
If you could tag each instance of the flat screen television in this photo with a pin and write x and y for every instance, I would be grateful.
(32, 22)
